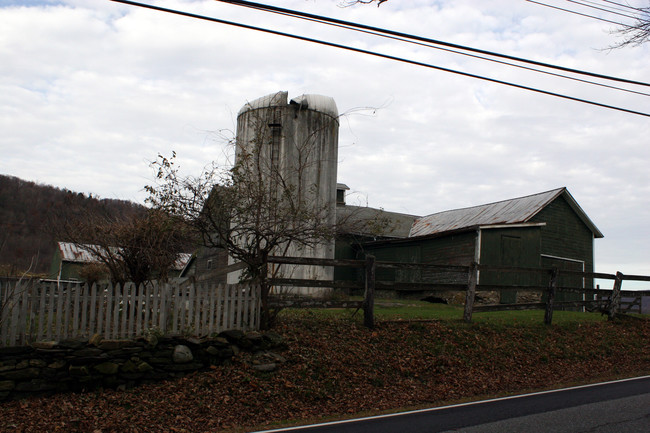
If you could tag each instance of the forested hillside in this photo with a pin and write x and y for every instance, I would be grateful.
(28, 213)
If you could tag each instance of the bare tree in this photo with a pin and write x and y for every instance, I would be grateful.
(347, 3)
(253, 209)
(635, 34)
(137, 247)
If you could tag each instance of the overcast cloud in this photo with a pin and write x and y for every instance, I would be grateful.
(92, 91)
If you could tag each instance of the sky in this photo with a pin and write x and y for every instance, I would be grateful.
(92, 91)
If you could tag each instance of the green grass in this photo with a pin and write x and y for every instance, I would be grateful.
(400, 309)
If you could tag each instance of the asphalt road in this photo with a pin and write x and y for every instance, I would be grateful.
(619, 406)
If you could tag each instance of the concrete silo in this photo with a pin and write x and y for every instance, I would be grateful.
(295, 143)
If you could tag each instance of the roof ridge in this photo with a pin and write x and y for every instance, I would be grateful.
(496, 202)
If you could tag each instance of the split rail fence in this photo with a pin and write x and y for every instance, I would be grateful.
(32, 311)
(607, 301)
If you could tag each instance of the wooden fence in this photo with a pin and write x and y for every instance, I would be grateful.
(33, 311)
(605, 300)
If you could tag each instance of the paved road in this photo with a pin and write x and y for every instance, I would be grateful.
(617, 407)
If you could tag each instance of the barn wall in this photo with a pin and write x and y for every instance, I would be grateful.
(566, 236)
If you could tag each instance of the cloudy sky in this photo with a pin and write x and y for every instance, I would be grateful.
(92, 91)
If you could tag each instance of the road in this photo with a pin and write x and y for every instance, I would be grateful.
(617, 406)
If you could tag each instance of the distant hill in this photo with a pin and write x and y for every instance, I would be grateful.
(27, 210)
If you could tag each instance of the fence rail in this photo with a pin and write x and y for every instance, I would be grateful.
(33, 311)
(606, 300)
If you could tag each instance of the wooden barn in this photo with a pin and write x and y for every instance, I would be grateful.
(547, 229)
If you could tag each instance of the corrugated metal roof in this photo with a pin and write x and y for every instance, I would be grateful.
(181, 261)
(74, 253)
(513, 211)
(71, 252)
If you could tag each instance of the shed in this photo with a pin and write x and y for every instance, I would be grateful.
(548, 229)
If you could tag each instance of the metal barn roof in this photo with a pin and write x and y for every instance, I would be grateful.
(74, 253)
(513, 211)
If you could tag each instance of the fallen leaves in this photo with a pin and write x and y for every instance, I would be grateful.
(336, 367)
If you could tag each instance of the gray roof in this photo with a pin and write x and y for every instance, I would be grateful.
(514, 211)
(71, 252)
(378, 223)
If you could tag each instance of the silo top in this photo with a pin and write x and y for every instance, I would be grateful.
(320, 103)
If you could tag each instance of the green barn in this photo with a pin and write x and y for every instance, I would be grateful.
(547, 229)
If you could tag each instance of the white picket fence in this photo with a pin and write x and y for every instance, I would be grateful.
(35, 311)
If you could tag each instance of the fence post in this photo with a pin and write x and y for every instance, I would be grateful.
(471, 291)
(369, 296)
(615, 301)
(552, 286)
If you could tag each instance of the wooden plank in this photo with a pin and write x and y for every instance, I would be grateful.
(147, 292)
(42, 321)
(115, 323)
(228, 269)
(219, 316)
(550, 297)
(417, 266)
(14, 327)
(59, 309)
(94, 309)
(316, 261)
(198, 306)
(615, 298)
(239, 298)
(636, 277)
(23, 316)
(83, 319)
(506, 307)
(211, 302)
(65, 311)
(307, 303)
(140, 323)
(296, 282)
(247, 301)
(134, 317)
(164, 299)
(231, 306)
(76, 311)
(418, 287)
(369, 295)
(471, 292)
(108, 304)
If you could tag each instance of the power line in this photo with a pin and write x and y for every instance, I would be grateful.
(615, 8)
(372, 53)
(321, 18)
(587, 5)
(288, 13)
(575, 13)
(623, 5)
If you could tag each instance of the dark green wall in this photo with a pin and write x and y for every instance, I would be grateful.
(513, 247)
(565, 235)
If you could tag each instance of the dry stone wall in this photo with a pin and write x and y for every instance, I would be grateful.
(48, 367)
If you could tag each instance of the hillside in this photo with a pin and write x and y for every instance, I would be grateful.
(335, 368)
(27, 212)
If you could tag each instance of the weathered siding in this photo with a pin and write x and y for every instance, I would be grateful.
(514, 247)
(456, 250)
(565, 235)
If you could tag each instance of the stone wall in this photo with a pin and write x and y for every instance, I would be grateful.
(48, 367)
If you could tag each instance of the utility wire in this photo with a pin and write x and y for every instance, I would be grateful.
(372, 53)
(427, 40)
(575, 13)
(602, 9)
(623, 5)
(428, 45)
(608, 7)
